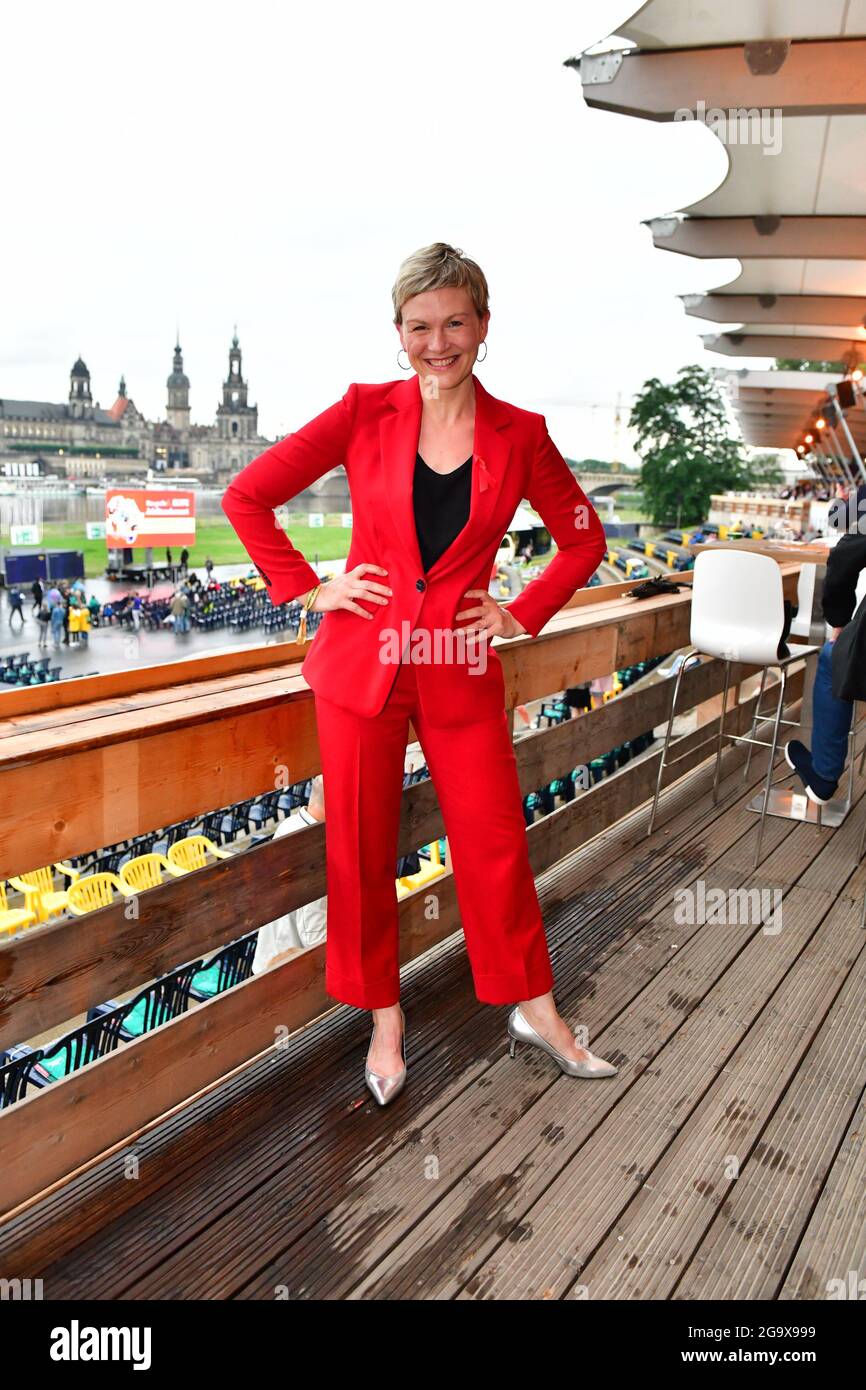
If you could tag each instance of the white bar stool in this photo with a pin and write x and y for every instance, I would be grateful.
(738, 614)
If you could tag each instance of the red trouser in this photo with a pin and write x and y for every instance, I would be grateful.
(474, 772)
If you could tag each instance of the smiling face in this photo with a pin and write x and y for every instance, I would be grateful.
(442, 332)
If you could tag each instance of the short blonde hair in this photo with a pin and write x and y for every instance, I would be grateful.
(439, 267)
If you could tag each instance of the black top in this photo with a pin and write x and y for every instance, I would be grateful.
(441, 502)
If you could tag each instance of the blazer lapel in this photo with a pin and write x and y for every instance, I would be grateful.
(398, 439)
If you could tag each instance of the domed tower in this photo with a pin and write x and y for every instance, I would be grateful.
(177, 410)
(80, 399)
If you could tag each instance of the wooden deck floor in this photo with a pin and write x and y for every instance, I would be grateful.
(723, 1161)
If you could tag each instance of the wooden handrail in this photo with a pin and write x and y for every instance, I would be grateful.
(138, 763)
(56, 972)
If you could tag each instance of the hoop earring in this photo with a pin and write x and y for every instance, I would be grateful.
(399, 363)
(484, 345)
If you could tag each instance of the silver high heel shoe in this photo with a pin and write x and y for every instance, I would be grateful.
(386, 1088)
(521, 1030)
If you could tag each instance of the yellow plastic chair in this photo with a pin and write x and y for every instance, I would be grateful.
(435, 869)
(192, 853)
(93, 891)
(146, 872)
(39, 891)
(13, 918)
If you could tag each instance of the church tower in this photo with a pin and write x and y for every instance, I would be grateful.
(80, 399)
(236, 419)
(177, 410)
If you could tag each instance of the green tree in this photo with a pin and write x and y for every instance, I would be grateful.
(766, 471)
(799, 364)
(590, 465)
(685, 446)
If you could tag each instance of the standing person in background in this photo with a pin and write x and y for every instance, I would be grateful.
(57, 616)
(840, 676)
(66, 600)
(16, 604)
(578, 698)
(601, 686)
(208, 564)
(73, 617)
(43, 617)
(136, 610)
(184, 559)
(305, 926)
(38, 594)
(177, 608)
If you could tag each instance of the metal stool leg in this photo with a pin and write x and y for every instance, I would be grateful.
(721, 730)
(755, 722)
(776, 723)
(677, 683)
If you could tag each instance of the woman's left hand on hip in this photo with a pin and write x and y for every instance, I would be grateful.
(489, 617)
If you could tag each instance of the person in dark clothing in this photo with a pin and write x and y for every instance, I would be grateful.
(184, 559)
(838, 671)
(16, 605)
(168, 556)
(43, 617)
(578, 698)
(37, 592)
(66, 600)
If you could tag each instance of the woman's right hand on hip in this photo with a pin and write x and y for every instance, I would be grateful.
(346, 589)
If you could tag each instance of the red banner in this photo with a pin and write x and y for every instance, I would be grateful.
(138, 517)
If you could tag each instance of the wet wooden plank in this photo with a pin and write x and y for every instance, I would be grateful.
(585, 1201)
(722, 1151)
(834, 1243)
(766, 1217)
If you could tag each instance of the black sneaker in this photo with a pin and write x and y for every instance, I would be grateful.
(818, 789)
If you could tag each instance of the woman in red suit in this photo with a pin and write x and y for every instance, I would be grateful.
(437, 468)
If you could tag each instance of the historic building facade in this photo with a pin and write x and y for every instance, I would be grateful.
(78, 439)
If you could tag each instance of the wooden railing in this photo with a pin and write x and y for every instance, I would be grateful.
(93, 762)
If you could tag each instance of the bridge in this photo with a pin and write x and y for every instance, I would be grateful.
(601, 484)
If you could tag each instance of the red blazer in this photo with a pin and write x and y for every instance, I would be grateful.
(374, 432)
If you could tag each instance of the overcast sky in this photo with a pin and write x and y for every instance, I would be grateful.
(271, 164)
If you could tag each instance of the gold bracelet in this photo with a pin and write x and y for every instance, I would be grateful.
(311, 598)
